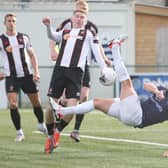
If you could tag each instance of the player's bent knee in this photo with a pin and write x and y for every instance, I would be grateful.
(96, 102)
(83, 99)
(13, 105)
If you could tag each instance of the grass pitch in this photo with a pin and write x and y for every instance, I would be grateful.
(89, 153)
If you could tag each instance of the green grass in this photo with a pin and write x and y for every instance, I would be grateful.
(89, 153)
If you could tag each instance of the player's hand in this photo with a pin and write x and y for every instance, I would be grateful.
(165, 154)
(53, 56)
(159, 94)
(46, 21)
(54, 50)
(2, 76)
(36, 77)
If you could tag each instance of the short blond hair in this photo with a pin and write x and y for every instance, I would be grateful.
(81, 5)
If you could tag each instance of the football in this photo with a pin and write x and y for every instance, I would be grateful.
(107, 76)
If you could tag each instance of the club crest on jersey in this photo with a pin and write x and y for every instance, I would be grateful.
(66, 36)
(9, 48)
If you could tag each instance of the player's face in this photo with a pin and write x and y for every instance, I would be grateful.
(10, 23)
(79, 20)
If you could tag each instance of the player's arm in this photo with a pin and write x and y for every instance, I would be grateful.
(151, 87)
(91, 26)
(54, 51)
(2, 75)
(33, 58)
(95, 46)
(34, 63)
(107, 61)
(54, 48)
(52, 35)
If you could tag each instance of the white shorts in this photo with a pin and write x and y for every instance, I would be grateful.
(128, 110)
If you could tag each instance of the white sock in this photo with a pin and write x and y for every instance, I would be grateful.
(78, 109)
(120, 68)
(20, 132)
(42, 125)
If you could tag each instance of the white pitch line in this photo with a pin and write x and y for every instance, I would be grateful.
(120, 140)
(114, 139)
(37, 132)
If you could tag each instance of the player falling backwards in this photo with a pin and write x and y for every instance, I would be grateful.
(128, 108)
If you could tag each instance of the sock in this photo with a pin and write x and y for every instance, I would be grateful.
(61, 125)
(15, 116)
(120, 68)
(78, 121)
(78, 109)
(20, 132)
(57, 120)
(39, 114)
(50, 129)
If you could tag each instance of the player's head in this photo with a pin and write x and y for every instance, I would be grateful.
(9, 15)
(81, 5)
(79, 19)
(10, 22)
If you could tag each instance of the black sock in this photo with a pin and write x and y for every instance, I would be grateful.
(39, 114)
(78, 121)
(50, 128)
(61, 103)
(15, 116)
(61, 125)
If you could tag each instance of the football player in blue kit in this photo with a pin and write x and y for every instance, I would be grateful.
(128, 108)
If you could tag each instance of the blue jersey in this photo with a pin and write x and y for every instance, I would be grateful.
(155, 110)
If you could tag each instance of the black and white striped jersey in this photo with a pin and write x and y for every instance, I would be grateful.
(14, 52)
(67, 24)
(75, 47)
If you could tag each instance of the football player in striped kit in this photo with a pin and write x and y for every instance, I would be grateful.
(19, 57)
(54, 48)
(70, 65)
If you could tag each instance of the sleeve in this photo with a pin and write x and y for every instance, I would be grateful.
(161, 88)
(28, 44)
(53, 35)
(95, 46)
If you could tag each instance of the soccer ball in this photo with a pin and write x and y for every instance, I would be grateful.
(107, 76)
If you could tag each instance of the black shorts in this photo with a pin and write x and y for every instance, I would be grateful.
(14, 84)
(86, 77)
(69, 79)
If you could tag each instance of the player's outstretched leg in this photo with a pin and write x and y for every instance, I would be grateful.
(118, 40)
